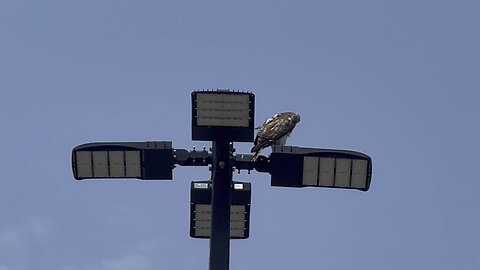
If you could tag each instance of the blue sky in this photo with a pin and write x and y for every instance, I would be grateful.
(397, 80)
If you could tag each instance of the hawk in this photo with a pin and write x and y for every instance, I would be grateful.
(274, 131)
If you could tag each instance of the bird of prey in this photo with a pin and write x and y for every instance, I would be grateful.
(274, 131)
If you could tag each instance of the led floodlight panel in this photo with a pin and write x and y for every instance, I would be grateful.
(142, 160)
(201, 210)
(223, 115)
(301, 167)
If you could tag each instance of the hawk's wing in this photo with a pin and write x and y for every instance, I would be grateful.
(267, 121)
(276, 128)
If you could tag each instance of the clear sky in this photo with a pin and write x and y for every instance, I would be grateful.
(397, 80)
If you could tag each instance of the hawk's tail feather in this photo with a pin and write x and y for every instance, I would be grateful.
(260, 145)
(255, 156)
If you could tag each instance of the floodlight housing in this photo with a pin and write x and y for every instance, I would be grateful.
(292, 166)
(141, 160)
(223, 115)
(201, 210)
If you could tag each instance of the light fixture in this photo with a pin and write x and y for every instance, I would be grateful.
(220, 207)
(222, 115)
(142, 160)
(201, 210)
(301, 167)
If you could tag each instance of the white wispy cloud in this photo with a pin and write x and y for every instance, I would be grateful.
(20, 242)
(3, 267)
(132, 261)
(18, 239)
(129, 262)
(19, 235)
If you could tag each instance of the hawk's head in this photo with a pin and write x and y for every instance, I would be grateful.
(295, 117)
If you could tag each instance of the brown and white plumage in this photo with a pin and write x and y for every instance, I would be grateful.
(274, 131)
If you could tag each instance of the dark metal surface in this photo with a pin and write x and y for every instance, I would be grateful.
(204, 196)
(221, 200)
(157, 159)
(214, 133)
(286, 164)
(192, 158)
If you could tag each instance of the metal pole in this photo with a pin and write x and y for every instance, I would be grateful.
(221, 199)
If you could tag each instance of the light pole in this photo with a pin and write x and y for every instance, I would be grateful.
(220, 207)
(221, 201)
